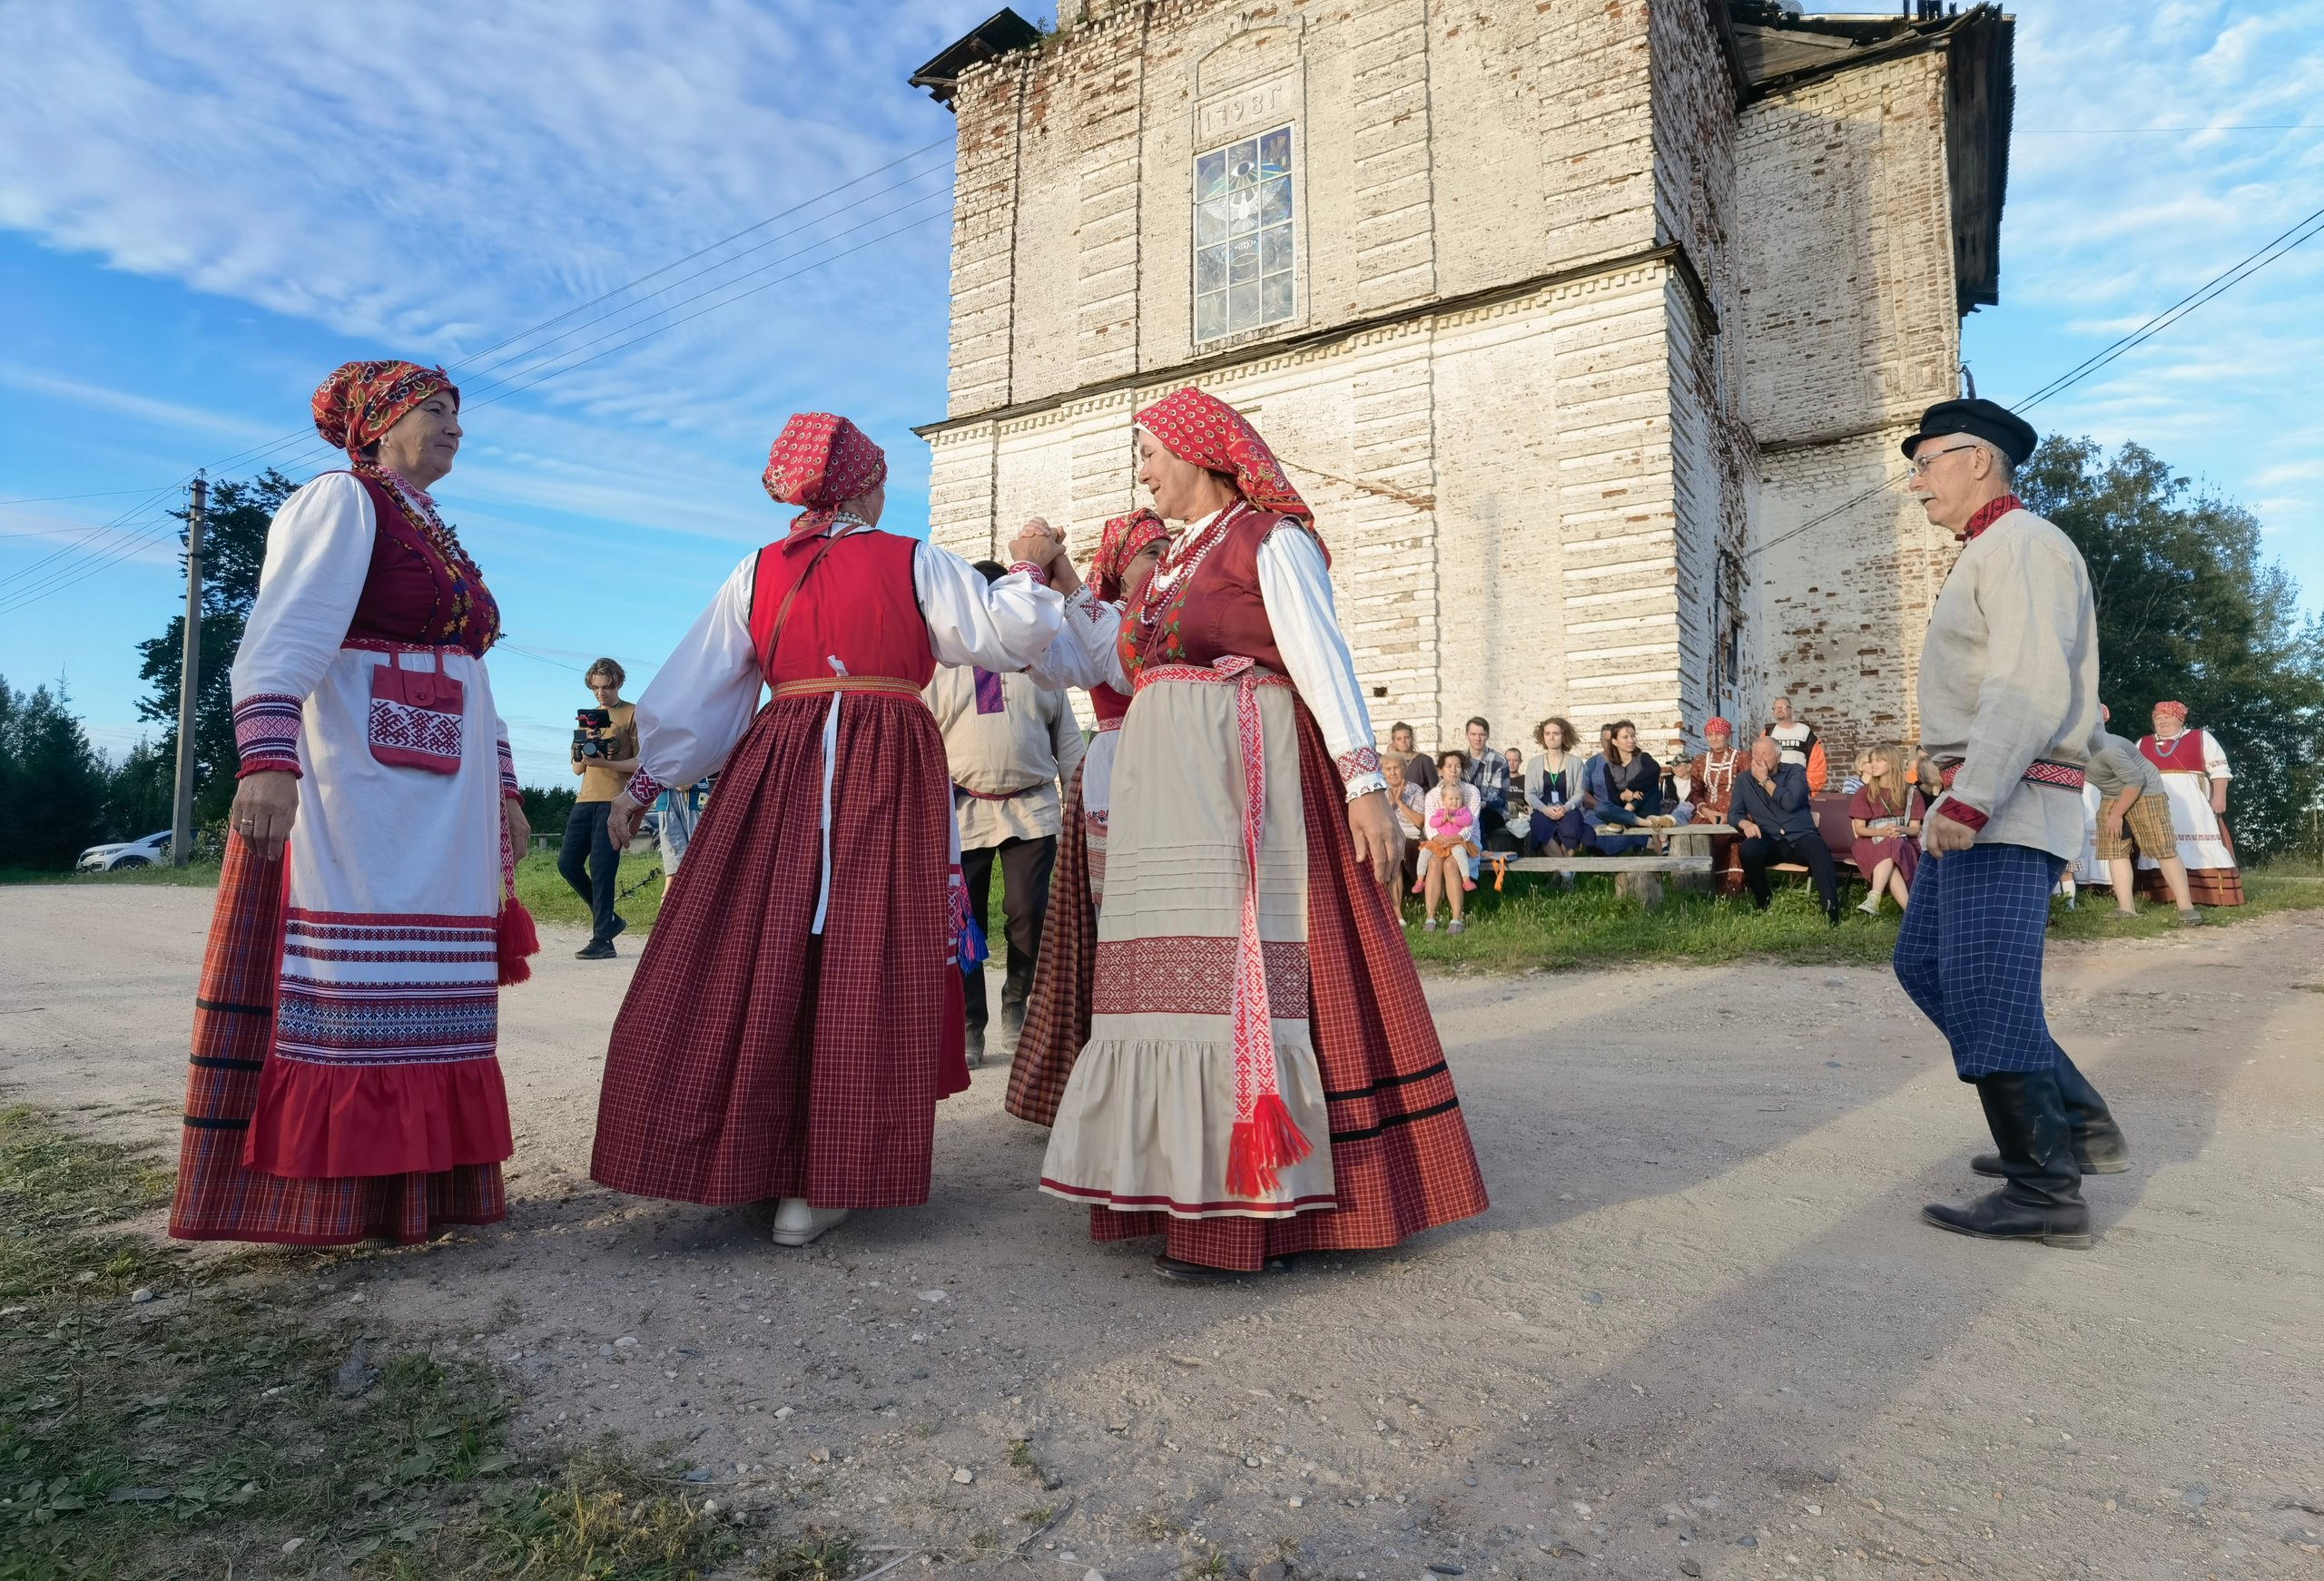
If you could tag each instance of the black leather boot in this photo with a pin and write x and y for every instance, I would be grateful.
(2099, 1146)
(2042, 1200)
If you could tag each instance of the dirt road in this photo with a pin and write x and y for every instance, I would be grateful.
(1700, 1331)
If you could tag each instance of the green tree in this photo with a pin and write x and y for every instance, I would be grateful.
(142, 796)
(52, 781)
(233, 549)
(2188, 608)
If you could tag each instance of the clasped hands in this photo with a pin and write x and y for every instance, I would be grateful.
(1043, 545)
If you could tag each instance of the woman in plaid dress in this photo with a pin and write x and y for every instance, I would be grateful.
(793, 1022)
(1262, 1077)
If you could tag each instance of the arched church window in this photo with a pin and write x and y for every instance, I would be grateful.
(1244, 245)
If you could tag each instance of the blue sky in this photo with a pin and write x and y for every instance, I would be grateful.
(203, 207)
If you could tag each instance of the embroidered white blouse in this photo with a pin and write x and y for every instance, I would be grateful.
(1295, 586)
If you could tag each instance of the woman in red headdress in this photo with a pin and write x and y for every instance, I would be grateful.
(796, 1014)
(345, 1083)
(2195, 776)
(1262, 1075)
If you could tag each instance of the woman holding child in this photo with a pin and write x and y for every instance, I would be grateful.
(1449, 845)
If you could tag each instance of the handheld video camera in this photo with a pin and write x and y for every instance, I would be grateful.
(592, 727)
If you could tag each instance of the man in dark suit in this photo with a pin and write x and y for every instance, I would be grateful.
(1770, 807)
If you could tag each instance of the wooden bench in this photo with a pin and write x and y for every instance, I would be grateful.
(1638, 878)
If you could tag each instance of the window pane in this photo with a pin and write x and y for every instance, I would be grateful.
(1275, 249)
(1210, 222)
(1210, 316)
(1243, 259)
(1274, 299)
(1210, 175)
(1275, 153)
(1276, 200)
(1243, 211)
(1243, 162)
(1210, 268)
(1243, 306)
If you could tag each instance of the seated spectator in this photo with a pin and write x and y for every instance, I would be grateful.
(1800, 745)
(1771, 812)
(1448, 857)
(1632, 797)
(1885, 812)
(1410, 804)
(1489, 773)
(1520, 822)
(1715, 772)
(1552, 783)
(1680, 791)
(1417, 767)
(2134, 820)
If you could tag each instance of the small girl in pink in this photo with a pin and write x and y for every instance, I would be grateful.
(1448, 857)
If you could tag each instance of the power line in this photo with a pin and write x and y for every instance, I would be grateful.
(2234, 275)
(52, 499)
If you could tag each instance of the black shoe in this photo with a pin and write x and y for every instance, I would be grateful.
(596, 949)
(2042, 1200)
(1832, 913)
(1012, 1018)
(976, 1048)
(2099, 1145)
(621, 926)
(1178, 1268)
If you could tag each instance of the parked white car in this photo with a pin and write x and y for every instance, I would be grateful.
(153, 852)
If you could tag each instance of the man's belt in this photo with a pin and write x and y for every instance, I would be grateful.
(2039, 771)
(999, 795)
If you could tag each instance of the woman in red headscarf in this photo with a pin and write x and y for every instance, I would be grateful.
(2195, 776)
(796, 1014)
(1057, 1016)
(344, 1081)
(1262, 1075)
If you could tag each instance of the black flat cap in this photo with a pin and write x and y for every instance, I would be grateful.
(1980, 419)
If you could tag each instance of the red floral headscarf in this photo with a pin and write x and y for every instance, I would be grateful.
(1207, 431)
(362, 400)
(1124, 538)
(1717, 723)
(2167, 706)
(821, 461)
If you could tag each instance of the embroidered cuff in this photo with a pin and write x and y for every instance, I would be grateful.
(1364, 785)
(643, 788)
(1362, 760)
(508, 786)
(1961, 813)
(1038, 574)
(266, 734)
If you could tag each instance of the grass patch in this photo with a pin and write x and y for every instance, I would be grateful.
(201, 1430)
(195, 875)
(1537, 923)
(550, 898)
(817, 1557)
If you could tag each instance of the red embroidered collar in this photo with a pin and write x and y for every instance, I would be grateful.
(1991, 511)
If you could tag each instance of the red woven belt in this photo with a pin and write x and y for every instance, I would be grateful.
(2039, 771)
(888, 684)
(999, 795)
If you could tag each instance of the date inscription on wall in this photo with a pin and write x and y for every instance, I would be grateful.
(1246, 110)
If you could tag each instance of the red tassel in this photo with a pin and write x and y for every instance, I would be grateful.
(516, 940)
(1262, 1145)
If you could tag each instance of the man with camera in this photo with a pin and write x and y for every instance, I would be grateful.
(604, 754)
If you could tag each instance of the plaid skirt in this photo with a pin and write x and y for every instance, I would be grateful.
(218, 1198)
(1057, 1016)
(1401, 1161)
(751, 1059)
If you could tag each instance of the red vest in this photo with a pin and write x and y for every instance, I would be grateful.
(1107, 703)
(408, 593)
(1220, 613)
(861, 607)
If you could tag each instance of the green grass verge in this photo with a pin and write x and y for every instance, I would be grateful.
(207, 1430)
(1537, 923)
(198, 875)
(550, 898)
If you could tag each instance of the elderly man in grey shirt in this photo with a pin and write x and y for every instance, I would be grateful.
(2134, 820)
(2009, 712)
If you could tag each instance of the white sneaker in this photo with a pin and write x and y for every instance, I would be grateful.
(1870, 906)
(796, 1224)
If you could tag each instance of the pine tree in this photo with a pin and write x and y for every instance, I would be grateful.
(52, 781)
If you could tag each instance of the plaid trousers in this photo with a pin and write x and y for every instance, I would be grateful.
(1970, 954)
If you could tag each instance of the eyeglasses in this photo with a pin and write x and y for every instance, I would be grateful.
(1921, 458)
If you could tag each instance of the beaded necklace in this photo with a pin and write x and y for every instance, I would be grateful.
(419, 510)
(1173, 576)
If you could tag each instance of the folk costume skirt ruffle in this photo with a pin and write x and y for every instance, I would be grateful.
(751, 1059)
(2204, 845)
(1341, 985)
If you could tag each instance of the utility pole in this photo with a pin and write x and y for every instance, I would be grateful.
(189, 677)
